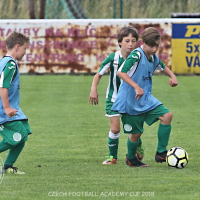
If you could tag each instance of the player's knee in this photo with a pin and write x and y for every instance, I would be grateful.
(115, 130)
(167, 118)
(134, 137)
(114, 136)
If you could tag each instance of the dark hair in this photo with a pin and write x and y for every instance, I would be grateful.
(16, 38)
(125, 31)
(150, 35)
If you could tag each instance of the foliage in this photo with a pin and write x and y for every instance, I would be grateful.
(15, 9)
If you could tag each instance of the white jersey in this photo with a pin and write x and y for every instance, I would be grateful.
(112, 62)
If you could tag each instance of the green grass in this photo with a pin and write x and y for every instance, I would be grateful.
(69, 143)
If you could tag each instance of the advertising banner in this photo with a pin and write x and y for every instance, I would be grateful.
(186, 48)
(77, 46)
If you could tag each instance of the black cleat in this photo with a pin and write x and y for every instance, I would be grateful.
(160, 157)
(135, 162)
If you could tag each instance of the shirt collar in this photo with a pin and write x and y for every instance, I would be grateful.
(151, 59)
(9, 56)
(120, 54)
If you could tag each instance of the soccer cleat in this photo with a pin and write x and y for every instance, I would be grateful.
(135, 162)
(110, 160)
(160, 157)
(140, 153)
(12, 170)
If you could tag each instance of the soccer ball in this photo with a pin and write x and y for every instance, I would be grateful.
(177, 157)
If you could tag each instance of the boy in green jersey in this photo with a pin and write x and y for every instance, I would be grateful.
(127, 39)
(14, 126)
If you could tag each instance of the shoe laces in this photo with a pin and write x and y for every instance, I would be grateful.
(109, 158)
(14, 169)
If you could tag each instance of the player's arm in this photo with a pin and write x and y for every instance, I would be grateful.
(172, 81)
(139, 91)
(123, 73)
(93, 98)
(6, 78)
(6, 105)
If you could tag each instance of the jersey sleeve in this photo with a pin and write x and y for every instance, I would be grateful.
(132, 60)
(161, 66)
(105, 65)
(8, 75)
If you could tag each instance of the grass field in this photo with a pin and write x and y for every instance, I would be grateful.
(63, 157)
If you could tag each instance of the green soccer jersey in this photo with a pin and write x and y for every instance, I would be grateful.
(133, 60)
(8, 74)
(112, 62)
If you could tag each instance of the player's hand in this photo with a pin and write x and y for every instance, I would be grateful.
(93, 98)
(173, 82)
(10, 112)
(139, 93)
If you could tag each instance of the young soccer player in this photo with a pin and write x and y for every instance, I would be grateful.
(135, 101)
(127, 39)
(14, 126)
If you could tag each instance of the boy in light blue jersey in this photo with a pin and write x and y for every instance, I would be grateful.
(14, 126)
(127, 39)
(135, 102)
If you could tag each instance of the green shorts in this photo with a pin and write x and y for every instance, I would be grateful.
(133, 124)
(15, 132)
(109, 112)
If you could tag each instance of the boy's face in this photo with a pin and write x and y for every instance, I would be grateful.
(128, 43)
(151, 50)
(21, 51)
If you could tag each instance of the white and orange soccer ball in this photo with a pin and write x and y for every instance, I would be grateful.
(177, 157)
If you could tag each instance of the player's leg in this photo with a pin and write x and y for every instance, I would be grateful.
(132, 145)
(133, 125)
(13, 154)
(164, 131)
(11, 157)
(114, 133)
(15, 134)
(4, 146)
(113, 139)
(140, 150)
(165, 116)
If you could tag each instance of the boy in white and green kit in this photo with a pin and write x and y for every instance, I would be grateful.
(127, 40)
(14, 127)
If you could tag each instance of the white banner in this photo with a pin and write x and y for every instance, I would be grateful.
(78, 46)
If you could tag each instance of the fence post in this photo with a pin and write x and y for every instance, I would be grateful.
(121, 8)
(114, 9)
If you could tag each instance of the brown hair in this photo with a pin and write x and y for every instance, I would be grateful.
(125, 31)
(16, 38)
(150, 35)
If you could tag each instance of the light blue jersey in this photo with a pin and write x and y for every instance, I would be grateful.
(140, 70)
(13, 92)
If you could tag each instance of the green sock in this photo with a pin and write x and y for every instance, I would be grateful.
(14, 153)
(132, 149)
(163, 137)
(140, 142)
(113, 147)
(4, 146)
